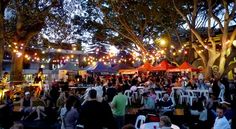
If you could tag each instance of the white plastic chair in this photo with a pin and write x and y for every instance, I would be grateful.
(139, 121)
(159, 95)
(135, 95)
(140, 92)
(221, 95)
(183, 97)
(128, 93)
(206, 94)
(172, 97)
(191, 97)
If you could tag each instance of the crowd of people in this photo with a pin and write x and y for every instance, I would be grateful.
(104, 105)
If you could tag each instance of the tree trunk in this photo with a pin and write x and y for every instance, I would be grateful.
(212, 58)
(222, 62)
(191, 49)
(1, 55)
(17, 68)
(1, 43)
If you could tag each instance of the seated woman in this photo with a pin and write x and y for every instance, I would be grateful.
(41, 107)
(26, 105)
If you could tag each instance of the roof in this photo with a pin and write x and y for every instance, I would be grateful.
(145, 67)
(100, 67)
(163, 66)
(184, 67)
(69, 66)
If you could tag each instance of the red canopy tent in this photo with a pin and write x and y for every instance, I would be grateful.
(184, 67)
(163, 66)
(145, 67)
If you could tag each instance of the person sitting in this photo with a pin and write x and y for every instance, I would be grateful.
(148, 105)
(165, 122)
(61, 100)
(40, 108)
(152, 94)
(166, 104)
(26, 105)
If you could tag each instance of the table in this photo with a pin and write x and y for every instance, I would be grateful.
(151, 125)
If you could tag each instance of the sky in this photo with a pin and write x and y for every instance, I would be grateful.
(74, 7)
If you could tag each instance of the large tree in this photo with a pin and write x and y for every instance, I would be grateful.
(27, 20)
(130, 22)
(130, 25)
(219, 14)
(3, 5)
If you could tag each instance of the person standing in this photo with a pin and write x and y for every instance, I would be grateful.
(4, 85)
(91, 113)
(5, 78)
(69, 115)
(110, 93)
(221, 122)
(118, 105)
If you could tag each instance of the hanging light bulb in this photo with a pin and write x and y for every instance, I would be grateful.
(18, 54)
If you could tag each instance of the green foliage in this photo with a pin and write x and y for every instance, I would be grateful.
(128, 23)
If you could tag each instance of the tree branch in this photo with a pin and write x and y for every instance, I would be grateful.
(232, 15)
(209, 33)
(195, 10)
(123, 22)
(112, 27)
(194, 31)
(232, 37)
(177, 35)
(214, 16)
(196, 48)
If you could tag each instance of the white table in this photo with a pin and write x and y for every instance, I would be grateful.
(151, 125)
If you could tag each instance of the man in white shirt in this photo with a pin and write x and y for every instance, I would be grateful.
(221, 122)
